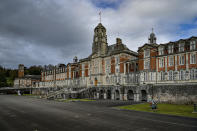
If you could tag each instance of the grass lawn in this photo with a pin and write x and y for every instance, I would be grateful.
(69, 100)
(171, 109)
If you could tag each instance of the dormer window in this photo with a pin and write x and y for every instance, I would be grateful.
(181, 47)
(146, 53)
(192, 45)
(170, 49)
(161, 51)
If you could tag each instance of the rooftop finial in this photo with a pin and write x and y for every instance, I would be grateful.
(100, 16)
(152, 30)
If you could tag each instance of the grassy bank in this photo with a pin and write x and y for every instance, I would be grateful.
(171, 109)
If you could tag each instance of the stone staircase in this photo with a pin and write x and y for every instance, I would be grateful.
(57, 94)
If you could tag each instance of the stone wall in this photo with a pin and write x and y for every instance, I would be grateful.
(180, 94)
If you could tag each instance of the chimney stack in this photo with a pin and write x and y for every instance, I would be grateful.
(118, 41)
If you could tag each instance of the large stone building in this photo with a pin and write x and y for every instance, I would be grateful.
(24, 81)
(159, 71)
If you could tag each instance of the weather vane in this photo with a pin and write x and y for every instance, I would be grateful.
(100, 16)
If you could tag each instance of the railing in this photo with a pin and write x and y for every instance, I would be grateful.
(64, 91)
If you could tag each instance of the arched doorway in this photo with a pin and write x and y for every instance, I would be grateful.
(130, 95)
(101, 94)
(117, 95)
(144, 95)
(108, 94)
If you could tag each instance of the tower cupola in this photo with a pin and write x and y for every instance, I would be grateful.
(152, 38)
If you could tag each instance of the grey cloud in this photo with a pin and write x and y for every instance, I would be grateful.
(54, 31)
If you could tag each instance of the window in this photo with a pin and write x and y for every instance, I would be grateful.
(146, 53)
(181, 47)
(117, 69)
(162, 76)
(117, 60)
(145, 76)
(181, 60)
(170, 61)
(193, 74)
(161, 50)
(146, 64)
(192, 45)
(161, 62)
(171, 75)
(151, 76)
(192, 58)
(108, 66)
(170, 49)
(181, 75)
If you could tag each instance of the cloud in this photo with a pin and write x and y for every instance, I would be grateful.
(52, 32)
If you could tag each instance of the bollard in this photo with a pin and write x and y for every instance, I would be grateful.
(195, 110)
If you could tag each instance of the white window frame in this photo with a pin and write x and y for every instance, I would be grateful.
(192, 45)
(145, 76)
(151, 76)
(171, 75)
(162, 77)
(192, 58)
(181, 59)
(181, 47)
(146, 53)
(146, 63)
(181, 75)
(161, 50)
(170, 49)
(170, 60)
(193, 74)
(161, 62)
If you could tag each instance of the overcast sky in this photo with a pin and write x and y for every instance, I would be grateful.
(39, 32)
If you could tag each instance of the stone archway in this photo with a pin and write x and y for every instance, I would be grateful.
(101, 94)
(130, 95)
(143, 95)
(117, 95)
(108, 94)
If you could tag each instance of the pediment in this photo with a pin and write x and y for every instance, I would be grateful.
(144, 47)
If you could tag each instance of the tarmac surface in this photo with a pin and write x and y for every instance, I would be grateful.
(22, 113)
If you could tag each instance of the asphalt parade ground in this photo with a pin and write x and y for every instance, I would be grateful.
(23, 113)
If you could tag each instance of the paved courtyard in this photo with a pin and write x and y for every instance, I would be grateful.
(22, 113)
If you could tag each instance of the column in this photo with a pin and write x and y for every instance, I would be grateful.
(125, 97)
(165, 63)
(128, 67)
(175, 63)
(149, 98)
(97, 94)
(112, 96)
(121, 96)
(124, 68)
(105, 96)
(136, 97)
(187, 62)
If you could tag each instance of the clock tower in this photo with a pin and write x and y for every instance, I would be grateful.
(99, 45)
